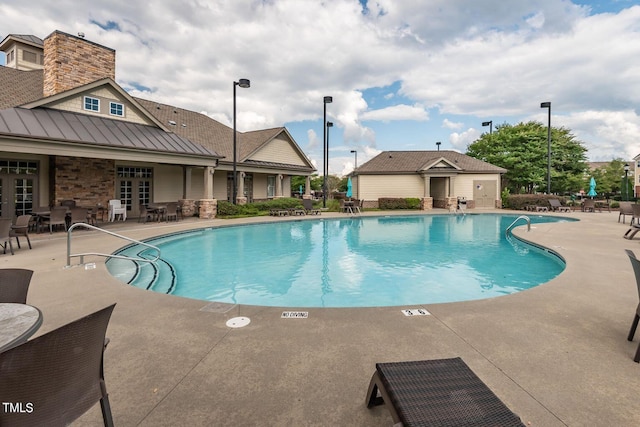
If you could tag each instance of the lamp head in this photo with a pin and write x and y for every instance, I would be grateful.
(328, 99)
(353, 151)
(487, 123)
(626, 167)
(329, 124)
(244, 83)
(545, 105)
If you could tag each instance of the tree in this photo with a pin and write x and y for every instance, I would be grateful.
(297, 181)
(609, 178)
(522, 150)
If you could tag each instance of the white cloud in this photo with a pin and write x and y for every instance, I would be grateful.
(397, 112)
(446, 123)
(460, 141)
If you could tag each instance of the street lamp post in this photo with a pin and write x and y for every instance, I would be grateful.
(548, 105)
(626, 183)
(490, 124)
(326, 189)
(355, 153)
(326, 100)
(438, 145)
(243, 83)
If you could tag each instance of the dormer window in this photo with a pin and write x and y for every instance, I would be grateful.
(116, 109)
(91, 104)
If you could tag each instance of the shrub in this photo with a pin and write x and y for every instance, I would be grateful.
(519, 201)
(229, 210)
(388, 203)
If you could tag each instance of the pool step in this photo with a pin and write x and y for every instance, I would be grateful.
(158, 277)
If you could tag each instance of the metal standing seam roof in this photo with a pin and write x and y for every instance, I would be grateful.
(389, 162)
(93, 130)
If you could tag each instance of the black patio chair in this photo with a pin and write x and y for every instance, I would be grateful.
(635, 263)
(57, 376)
(14, 285)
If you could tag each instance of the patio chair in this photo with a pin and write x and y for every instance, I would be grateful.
(437, 392)
(14, 285)
(635, 215)
(171, 211)
(115, 209)
(58, 216)
(635, 263)
(21, 228)
(625, 209)
(146, 214)
(308, 207)
(60, 374)
(5, 234)
(589, 205)
(80, 215)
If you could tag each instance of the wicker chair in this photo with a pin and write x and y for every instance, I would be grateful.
(14, 285)
(59, 374)
(5, 234)
(635, 263)
(21, 228)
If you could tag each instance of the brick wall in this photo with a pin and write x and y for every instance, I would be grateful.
(87, 181)
(71, 61)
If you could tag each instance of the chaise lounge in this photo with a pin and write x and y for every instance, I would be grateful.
(437, 392)
(556, 206)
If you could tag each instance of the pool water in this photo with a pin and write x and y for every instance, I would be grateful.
(349, 262)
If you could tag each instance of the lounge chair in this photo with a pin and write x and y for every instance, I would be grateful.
(58, 376)
(14, 285)
(632, 231)
(437, 392)
(635, 263)
(80, 215)
(625, 209)
(308, 207)
(556, 206)
(116, 208)
(21, 228)
(171, 211)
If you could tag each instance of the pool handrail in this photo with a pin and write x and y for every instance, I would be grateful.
(526, 218)
(91, 227)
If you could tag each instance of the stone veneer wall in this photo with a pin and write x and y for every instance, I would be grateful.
(71, 61)
(208, 208)
(87, 181)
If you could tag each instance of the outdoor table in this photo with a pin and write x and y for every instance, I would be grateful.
(17, 323)
(157, 210)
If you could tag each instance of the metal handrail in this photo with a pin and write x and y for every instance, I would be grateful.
(91, 227)
(526, 218)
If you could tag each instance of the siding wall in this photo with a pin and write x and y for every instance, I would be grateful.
(279, 151)
(464, 184)
(373, 187)
(105, 96)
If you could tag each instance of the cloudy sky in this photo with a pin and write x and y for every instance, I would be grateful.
(403, 74)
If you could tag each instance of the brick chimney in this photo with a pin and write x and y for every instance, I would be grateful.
(71, 61)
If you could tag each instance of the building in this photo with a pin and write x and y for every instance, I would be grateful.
(437, 178)
(69, 131)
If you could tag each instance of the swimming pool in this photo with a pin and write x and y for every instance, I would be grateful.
(346, 262)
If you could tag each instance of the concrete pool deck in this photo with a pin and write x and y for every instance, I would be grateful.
(556, 354)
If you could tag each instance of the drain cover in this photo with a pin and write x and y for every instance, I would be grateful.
(238, 322)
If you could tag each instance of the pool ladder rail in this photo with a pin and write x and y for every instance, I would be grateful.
(91, 227)
(526, 218)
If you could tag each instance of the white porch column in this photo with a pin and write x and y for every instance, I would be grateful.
(208, 182)
(241, 184)
(452, 181)
(186, 190)
(279, 186)
(427, 185)
(307, 187)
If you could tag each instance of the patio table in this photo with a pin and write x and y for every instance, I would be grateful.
(17, 323)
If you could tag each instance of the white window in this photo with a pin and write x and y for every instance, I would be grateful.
(91, 104)
(116, 109)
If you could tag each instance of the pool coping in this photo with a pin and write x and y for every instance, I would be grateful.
(556, 354)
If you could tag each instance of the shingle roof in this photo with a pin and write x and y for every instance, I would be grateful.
(66, 126)
(19, 87)
(25, 38)
(389, 162)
